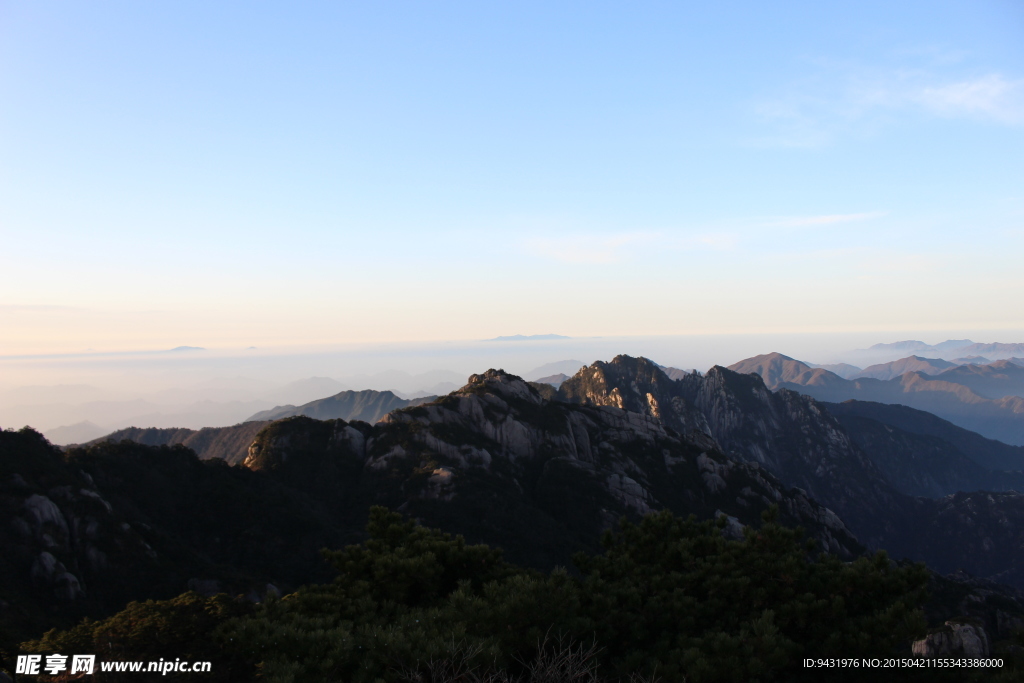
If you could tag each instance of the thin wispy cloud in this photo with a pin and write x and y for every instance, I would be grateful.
(846, 101)
(992, 96)
(588, 249)
(813, 221)
(712, 240)
(615, 248)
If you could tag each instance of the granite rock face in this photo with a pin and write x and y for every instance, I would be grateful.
(796, 439)
(639, 386)
(954, 639)
(498, 445)
(787, 434)
(61, 542)
(497, 448)
(61, 530)
(996, 607)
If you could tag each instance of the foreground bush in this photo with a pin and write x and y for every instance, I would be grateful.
(180, 628)
(669, 598)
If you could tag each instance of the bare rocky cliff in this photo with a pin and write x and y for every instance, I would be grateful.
(498, 445)
(800, 442)
(786, 433)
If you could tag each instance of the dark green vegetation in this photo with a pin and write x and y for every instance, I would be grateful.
(668, 597)
(180, 628)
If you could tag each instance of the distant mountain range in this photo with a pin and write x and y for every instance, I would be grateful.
(913, 346)
(553, 380)
(562, 367)
(929, 366)
(983, 398)
(367, 406)
(529, 337)
(79, 413)
(230, 444)
(844, 370)
(79, 432)
(947, 350)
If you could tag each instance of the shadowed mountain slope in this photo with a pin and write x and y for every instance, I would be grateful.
(923, 465)
(844, 370)
(226, 443)
(993, 380)
(796, 438)
(1001, 418)
(788, 434)
(989, 453)
(498, 446)
(929, 366)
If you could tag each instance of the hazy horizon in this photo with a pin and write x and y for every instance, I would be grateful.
(289, 363)
(217, 387)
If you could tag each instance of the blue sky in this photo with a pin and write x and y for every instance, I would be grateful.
(228, 174)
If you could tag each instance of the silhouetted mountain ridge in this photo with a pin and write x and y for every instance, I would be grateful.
(367, 406)
(230, 444)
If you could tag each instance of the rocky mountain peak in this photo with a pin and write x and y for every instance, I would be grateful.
(639, 385)
(623, 441)
(501, 383)
(633, 384)
(776, 369)
(788, 434)
(307, 449)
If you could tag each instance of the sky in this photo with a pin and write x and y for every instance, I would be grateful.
(274, 174)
